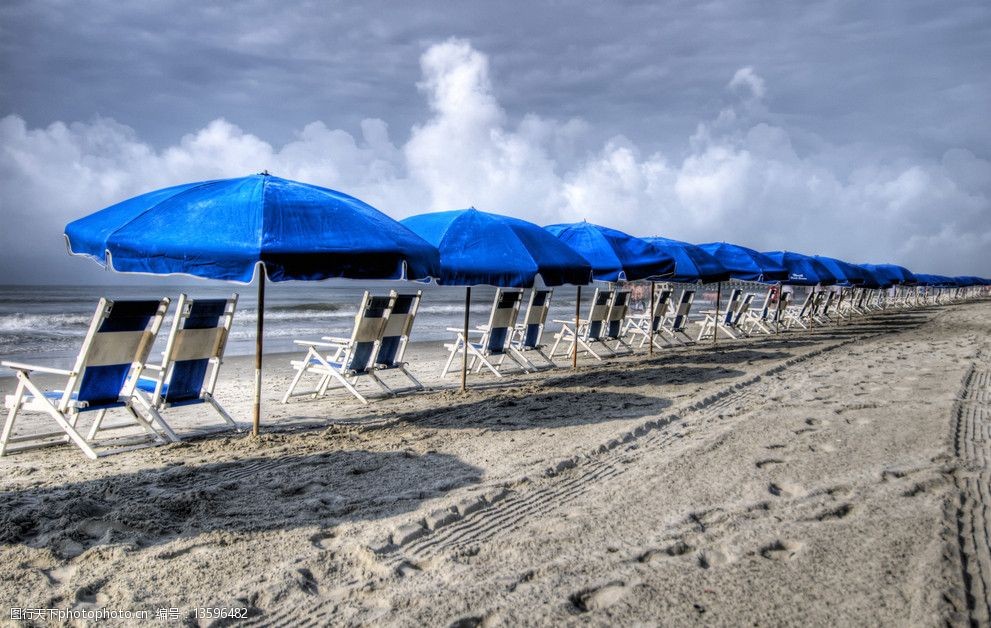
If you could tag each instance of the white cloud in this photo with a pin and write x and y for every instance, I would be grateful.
(740, 178)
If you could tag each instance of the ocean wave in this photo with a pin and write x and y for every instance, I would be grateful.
(49, 324)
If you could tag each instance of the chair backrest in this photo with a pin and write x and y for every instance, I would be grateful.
(743, 308)
(783, 302)
(828, 302)
(114, 352)
(765, 309)
(684, 309)
(661, 303)
(536, 316)
(597, 314)
(197, 340)
(807, 305)
(398, 327)
(619, 306)
(369, 325)
(502, 319)
(734, 302)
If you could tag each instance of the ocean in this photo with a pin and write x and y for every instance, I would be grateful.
(45, 324)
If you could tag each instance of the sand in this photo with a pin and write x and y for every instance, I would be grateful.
(837, 476)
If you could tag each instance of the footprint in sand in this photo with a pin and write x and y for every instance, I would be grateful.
(600, 597)
(678, 548)
(768, 462)
(714, 557)
(781, 550)
(840, 512)
(785, 489)
(320, 539)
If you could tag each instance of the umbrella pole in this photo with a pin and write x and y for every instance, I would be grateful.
(715, 323)
(578, 306)
(464, 358)
(651, 323)
(259, 330)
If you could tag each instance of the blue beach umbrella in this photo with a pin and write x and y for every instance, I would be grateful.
(614, 255)
(896, 274)
(692, 263)
(233, 229)
(479, 248)
(744, 263)
(803, 270)
(846, 274)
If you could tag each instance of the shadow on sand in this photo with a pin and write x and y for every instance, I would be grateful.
(281, 492)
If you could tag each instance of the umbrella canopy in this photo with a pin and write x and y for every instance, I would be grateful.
(692, 263)
(803, 270)
(614, 255)
(745, 264)
(222, 229)
(896, 274)
(481, 248)
(227, 228)
(846, 274)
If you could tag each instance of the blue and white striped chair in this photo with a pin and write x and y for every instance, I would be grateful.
(187, 374)
(103, 378)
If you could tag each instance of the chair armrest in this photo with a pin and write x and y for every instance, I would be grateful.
(462, 330)
(316, 343)
(153, 367)
(337, 340)
(18, 366)
(581, 321)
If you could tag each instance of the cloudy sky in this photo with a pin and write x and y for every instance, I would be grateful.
(859, 130)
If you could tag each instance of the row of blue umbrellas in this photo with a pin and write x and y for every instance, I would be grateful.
(263, 226)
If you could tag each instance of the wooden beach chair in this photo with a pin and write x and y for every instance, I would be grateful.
(798, 316)
(395, 339)
(615, 327)
(758, 320)
(527, 339)
(104, 376)
(675, 326)
(495, 336)
(590, 330)
(345, 360)
(194, 351)
(643, 325)
(724, 321)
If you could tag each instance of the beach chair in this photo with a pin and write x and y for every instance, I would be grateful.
(104, 376)
(823, 304)
(590, 330)
(724, 321)
(644, 324)
(194, 351)
(793, 316)
(784, 300)
(679, 319)
(615, 327)
(395, 338)
(495, 339)
(527, 339)
(758, 320)
(345, 360)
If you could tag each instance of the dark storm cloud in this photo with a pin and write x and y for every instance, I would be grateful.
(896, 71)
(780, 125)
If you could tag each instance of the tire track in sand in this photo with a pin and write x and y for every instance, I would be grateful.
(501, 510)
(972, 513)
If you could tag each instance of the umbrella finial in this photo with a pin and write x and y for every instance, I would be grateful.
(264, 173)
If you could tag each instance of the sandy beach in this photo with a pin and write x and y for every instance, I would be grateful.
(832, 477)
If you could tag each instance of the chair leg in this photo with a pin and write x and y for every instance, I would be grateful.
(295, 382)
(8, 426)
(96, 424)
(223, 413)
(454, 351)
